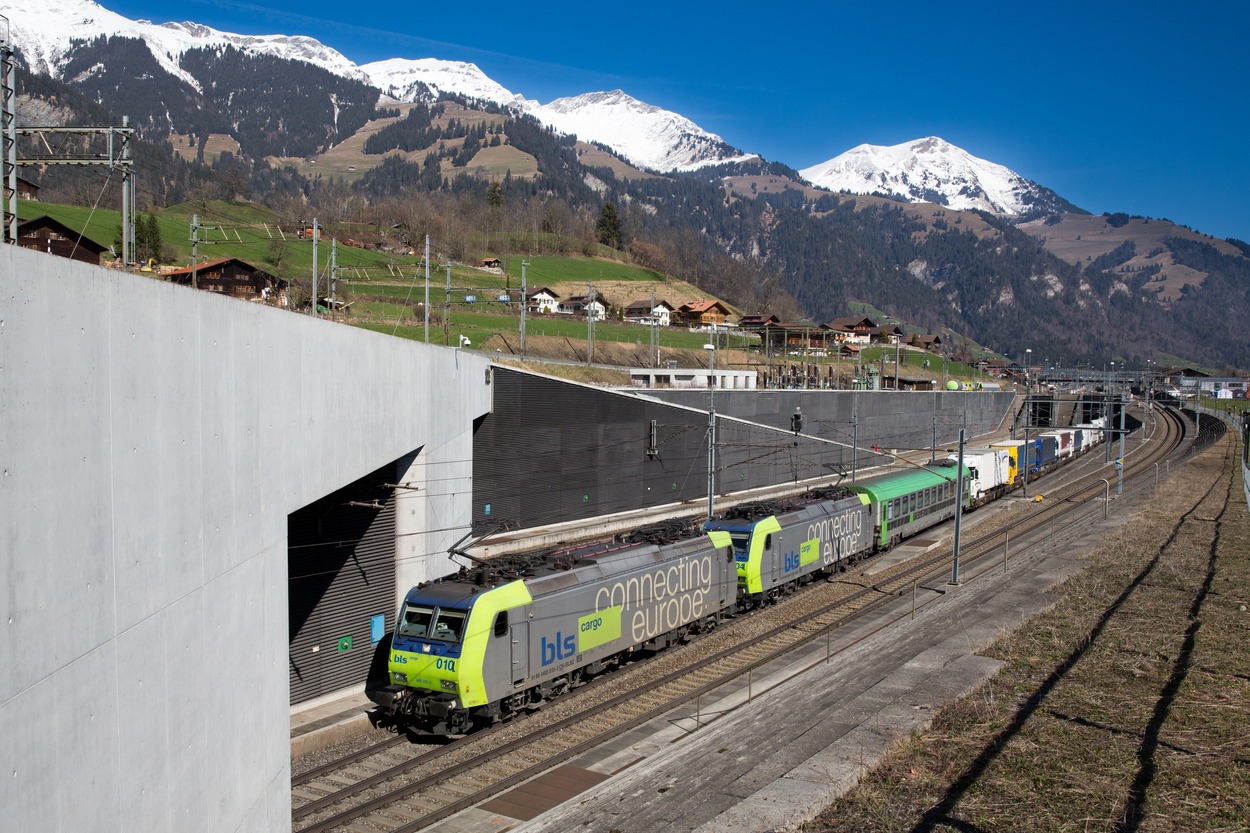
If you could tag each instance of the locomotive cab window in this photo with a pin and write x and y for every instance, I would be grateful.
(768, 541)
(501, 623)
(415, 620)
(448, 625)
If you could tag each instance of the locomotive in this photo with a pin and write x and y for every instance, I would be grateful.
(504, 636)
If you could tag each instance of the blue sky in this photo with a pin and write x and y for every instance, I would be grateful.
(1117, 106)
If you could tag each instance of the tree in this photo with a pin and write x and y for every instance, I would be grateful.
(609, 226)
(147, 238)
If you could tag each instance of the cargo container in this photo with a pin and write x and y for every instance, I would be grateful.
(1063, 442)
(1014, 448)
(990, 471)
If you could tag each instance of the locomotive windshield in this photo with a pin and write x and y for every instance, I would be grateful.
(445, 624)
(416, 620)
(742, 544)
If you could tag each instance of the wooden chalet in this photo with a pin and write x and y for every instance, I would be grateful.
(44, 234)
(233, 277)
(27, 190)
(703, 313)
(889, 334)
(932, 344)
(861, 324)
(755, 323)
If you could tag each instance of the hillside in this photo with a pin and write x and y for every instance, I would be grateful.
(1083, 239)
(480, 179)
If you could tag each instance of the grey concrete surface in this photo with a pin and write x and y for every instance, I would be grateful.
(153, 440)
(890, 419)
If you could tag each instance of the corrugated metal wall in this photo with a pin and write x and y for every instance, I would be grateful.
(341, 568)
(551, 452)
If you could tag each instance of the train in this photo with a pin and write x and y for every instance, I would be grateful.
(502, 637)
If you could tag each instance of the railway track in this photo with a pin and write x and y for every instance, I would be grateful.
(401, 787)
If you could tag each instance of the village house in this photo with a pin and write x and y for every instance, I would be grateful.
(642, 312)
(595, 309)
(541, 300)
(703, 313)
(27, 190)
(757, 322)
(231, 276)
(888, 334)
(44, 234)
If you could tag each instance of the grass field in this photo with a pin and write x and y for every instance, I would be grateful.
(384, 289)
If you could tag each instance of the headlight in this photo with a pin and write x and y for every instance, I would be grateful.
(448, 685)
(399, 676)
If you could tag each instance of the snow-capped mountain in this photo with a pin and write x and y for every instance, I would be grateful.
(403, 79)
(50, 36)
(933, 170)
(45, 35)
(646, 135)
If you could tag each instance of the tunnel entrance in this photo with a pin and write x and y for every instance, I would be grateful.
(341, 573)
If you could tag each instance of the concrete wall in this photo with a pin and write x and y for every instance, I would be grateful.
(890, 419)
(153, 440)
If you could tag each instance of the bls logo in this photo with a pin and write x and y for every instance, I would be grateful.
(562, 647)
(792, 561)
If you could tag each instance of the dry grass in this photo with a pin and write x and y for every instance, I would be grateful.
(1124, 708)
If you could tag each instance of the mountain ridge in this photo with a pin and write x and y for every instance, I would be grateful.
(751, 231)
(647, 136)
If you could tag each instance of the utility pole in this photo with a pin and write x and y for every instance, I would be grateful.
(427, 289)
(334, 272)
(590, 324)
(316, 233)
(128, 220)
(524, 305)
(1119, 470)
(959, 499)
(711, 427)
(854, 434)
(447, 309)
(116, 157)
(896, 372)
(653, 353)
(8, 131)
(195, 250)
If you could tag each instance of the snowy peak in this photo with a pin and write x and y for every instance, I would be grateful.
(645, 135)
(408, 80)
(930, 170)
(45, 33)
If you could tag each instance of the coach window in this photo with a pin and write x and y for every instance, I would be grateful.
(501, 623)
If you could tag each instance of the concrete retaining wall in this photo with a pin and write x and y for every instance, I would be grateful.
(889, 419)
(153, 439)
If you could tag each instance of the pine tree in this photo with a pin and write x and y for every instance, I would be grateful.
(609, 226)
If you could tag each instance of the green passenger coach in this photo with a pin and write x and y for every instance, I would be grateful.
(905, 503)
